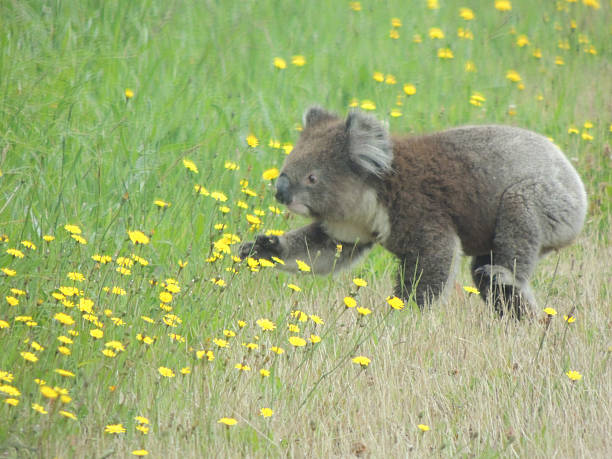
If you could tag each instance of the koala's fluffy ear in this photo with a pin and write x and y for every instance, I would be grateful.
(315, 115)
(369, 143)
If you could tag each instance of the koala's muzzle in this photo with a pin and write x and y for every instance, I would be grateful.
(283, 193)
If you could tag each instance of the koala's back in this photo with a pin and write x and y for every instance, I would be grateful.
(463, 174)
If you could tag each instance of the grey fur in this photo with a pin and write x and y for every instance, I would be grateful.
(505, 195)
(369, 143)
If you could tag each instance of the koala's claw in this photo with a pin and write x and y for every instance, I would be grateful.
(263, 247)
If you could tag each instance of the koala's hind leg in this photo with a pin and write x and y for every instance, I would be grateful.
(504, 275)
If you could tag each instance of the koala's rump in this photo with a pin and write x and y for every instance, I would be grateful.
(458, 177)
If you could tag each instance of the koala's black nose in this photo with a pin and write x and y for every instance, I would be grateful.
(282, 189)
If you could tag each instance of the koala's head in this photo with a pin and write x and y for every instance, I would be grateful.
(333, 163)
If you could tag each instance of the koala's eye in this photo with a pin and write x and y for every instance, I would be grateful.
(312, 179)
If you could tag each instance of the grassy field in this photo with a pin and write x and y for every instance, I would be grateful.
(134, 137)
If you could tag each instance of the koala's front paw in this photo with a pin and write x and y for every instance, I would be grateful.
(263, 247)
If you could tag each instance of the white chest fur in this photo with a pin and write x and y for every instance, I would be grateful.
(368, 223)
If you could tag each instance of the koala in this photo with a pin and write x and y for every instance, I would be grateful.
(503, 195)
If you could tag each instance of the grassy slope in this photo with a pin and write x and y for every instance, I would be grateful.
(73, 150)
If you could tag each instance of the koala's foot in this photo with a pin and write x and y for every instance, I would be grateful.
(507, 293)
(263, 247)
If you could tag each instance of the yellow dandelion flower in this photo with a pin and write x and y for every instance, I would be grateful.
(435, 33)
(280, 63)
(39, 408)
(12, 301)
(395, 113)
(513, 76)
(574, 375)
(114, 429)
(445, 53)
(433, 5)
(76, 276)
(15, 253)
(368, 105)
(64, 350)
(364, 311)
(350, 302)
(73, 229)
(423, 427)
(67, 414)
(48, 238)
(569, 319)
(218, 196)
(314, 339)
(138, 237)
(4, 324)
(477, 99)
(227, 421)
(522, 41)
(190, 165)
(141, 419)
(161, 204)
(396, 22)
(12, 401)
(166, 372)
(67, 373)
(128, 93)
(294, 287)
(79, 239)
(231, 165)
(96, 333)
(220, 342)
(300, 315)
(270, 174)
(63, 318)
(293, 328)
(559, 61)
(378, 76)
(265, 373)
(586, 136)
(395, 302)
(503, 5)
(140, 452)
(277, 350)
(48, 392)
(241, 367)
(359, 282)
(266, 412)
(265, 324)
(8, 272)
(361, 360)
(115, 345)
(410, 89)
(9, 390)
(28, 245)
(316, 319)
(471, 290)
(550, 311)
(298, 60)
(466, 14)
(297, 341)
(165, 297)
(302, 266)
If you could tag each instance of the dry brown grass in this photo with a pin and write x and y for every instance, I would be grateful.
(476, 380)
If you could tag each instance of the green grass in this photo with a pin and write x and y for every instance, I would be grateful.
(75, 150)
